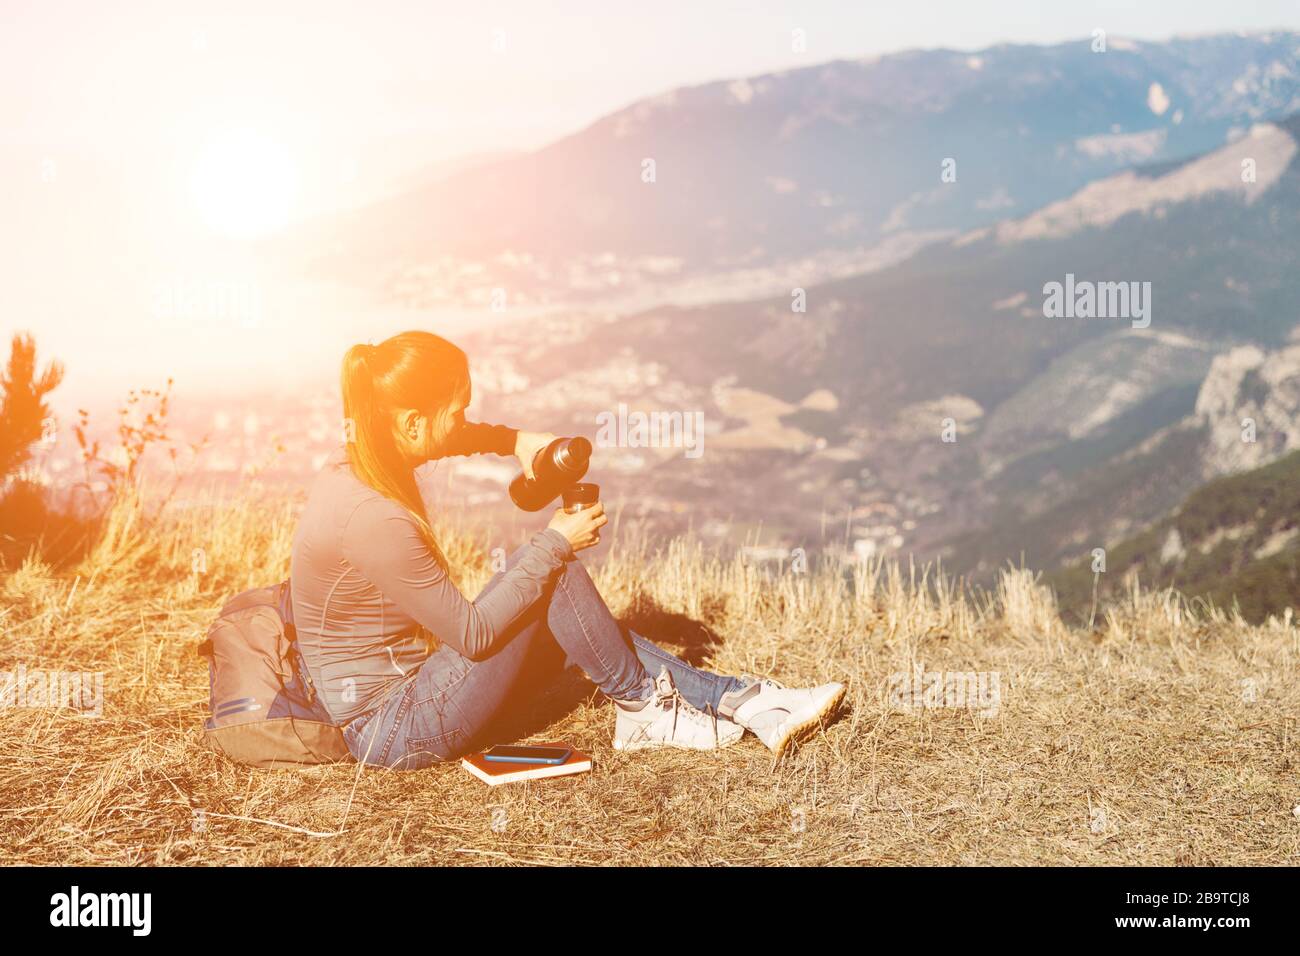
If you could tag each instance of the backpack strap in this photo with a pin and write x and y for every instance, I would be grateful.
(283, 594)
(284, 604)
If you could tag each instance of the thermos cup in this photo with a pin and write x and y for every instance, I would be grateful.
(579, 497)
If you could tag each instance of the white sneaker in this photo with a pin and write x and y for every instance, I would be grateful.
(779, 715)
(668, 720)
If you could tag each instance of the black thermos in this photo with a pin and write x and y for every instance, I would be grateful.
(558, 465)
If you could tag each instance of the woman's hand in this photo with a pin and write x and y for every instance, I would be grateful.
(527, 445)
(582, 528)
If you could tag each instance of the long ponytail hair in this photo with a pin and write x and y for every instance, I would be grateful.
(412, 370)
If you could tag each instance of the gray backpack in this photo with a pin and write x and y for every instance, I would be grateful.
(265, 711)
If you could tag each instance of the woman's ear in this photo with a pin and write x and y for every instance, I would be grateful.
(411, 435)
(410, 426)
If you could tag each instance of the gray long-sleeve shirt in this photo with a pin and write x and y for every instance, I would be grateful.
(363, 580)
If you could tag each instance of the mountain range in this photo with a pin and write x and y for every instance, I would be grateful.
(820, 161)
(1065, 432)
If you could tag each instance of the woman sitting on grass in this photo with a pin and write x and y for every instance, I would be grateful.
(415, 672)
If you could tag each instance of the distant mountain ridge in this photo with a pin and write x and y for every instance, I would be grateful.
(760, 170)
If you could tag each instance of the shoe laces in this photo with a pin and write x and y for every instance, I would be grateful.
(667, 694)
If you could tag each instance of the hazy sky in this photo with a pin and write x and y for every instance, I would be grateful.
(468, 76)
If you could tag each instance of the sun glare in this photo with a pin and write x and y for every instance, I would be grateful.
(244, 184)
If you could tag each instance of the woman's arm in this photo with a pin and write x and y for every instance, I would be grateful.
(382, 542)
(476, 438)
(473, 438)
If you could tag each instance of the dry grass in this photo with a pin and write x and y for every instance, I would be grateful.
(1166, 736)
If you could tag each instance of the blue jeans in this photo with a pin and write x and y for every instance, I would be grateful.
(441, 710)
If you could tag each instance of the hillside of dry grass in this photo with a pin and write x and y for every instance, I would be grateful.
(1166, 735)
